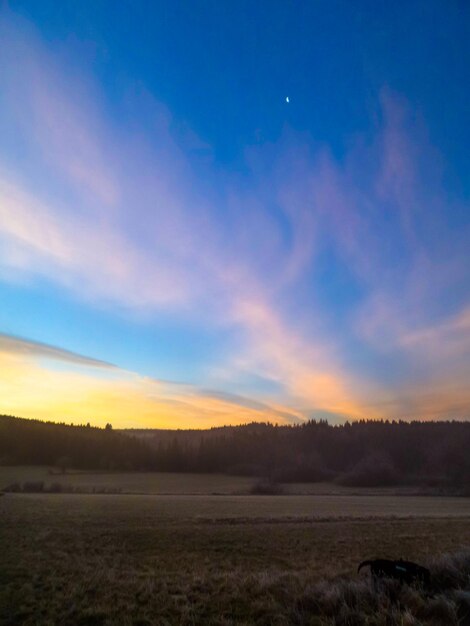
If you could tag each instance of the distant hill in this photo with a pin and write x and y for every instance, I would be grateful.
(365, 453)
(191, 436)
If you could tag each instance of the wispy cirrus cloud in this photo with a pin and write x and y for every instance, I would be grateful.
(10, 344)
(129, 216)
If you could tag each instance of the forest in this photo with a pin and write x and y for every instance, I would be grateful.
(360, 453)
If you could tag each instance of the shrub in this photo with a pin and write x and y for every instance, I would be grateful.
(36, 486)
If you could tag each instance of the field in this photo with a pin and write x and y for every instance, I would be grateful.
(176, 484)
(216, 559)
(131, 482)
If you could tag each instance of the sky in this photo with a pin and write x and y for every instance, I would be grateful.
(219, 212)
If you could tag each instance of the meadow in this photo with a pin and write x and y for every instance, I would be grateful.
(222, 559)
(168, 483)
(128, 482)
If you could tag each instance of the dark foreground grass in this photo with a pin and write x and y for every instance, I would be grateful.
(113, 560)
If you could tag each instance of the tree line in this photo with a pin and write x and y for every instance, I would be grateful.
(361, 453)
(33, 442)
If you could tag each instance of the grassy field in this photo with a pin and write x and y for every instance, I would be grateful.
(104, 559)
(176, 484)
(130, 482)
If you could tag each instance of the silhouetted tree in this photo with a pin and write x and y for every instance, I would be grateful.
(360, 453)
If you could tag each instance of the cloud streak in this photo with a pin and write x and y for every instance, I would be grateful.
(27, 348)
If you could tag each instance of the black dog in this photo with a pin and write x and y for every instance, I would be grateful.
(404, 571)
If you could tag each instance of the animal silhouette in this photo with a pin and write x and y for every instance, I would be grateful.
(404, 571)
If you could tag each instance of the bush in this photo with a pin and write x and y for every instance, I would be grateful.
(36, 486)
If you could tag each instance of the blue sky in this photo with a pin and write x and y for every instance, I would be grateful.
(233, 256)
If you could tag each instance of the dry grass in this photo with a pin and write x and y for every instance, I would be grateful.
(129, 482)
(181, 560)
(179, 484)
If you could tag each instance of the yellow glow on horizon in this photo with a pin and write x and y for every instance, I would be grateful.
(30, 389)
(60, 391)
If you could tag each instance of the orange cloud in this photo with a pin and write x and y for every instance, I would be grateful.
(308, 372)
